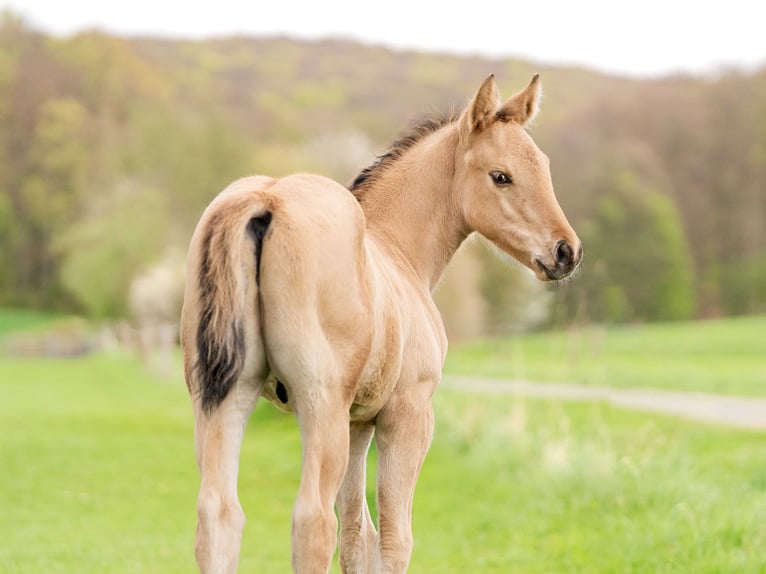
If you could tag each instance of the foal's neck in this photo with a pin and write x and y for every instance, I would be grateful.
(414, 207)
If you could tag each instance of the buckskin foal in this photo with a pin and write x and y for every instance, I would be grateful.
(319, 299)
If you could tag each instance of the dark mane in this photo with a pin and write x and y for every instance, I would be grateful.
(417, 132)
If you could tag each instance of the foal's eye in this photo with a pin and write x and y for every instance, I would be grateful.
(500, 178)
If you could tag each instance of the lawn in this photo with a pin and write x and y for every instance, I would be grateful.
(14, 320)
(97, 474)
(721, 356)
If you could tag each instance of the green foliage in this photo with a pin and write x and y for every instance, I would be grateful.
(742, 285)
(161, 178)
(51, 196)
(85, 115)
(60, 156)
(638, 265)
(111, 77)
(314, 97)
(101, 255)
(674, 295)
(187, 161)
(8, 231)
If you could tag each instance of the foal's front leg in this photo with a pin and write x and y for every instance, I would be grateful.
(403, 434)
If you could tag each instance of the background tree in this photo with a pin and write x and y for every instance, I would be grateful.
(638, 265)
(664, 179)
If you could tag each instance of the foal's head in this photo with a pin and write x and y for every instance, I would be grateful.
(506, 183)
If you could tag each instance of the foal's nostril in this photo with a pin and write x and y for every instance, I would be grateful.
(563, 254)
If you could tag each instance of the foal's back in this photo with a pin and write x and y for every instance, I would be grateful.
(340, 304)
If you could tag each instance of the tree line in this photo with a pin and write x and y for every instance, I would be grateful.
(110, 148)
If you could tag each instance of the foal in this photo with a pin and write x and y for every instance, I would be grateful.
(320, 300)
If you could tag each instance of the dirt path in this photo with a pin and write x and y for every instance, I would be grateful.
(735, 411)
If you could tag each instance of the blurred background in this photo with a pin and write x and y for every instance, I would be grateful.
(119, 124)
(114, 142)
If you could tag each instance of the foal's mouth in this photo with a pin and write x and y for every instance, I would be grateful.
(566, 261)
(548, 273)
(555, 273)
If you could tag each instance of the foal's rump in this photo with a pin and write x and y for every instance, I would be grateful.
(268, 259)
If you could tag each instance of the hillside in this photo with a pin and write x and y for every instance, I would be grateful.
(665, 178)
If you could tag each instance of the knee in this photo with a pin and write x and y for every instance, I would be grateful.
(219, 532)
(214, 509)
(314, 520)
(314, 536)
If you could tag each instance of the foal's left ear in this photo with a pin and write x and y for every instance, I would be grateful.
(521, 108)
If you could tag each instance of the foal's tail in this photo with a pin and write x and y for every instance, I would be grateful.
(220, 305)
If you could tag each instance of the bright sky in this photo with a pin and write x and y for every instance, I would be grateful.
(646, 38)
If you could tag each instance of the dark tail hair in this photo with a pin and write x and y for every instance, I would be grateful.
(223, 293)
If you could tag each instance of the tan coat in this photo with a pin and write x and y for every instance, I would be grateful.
(320, 300)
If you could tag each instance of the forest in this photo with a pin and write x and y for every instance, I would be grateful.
(111, 147)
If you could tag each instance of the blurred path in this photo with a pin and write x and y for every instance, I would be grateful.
(735, 411)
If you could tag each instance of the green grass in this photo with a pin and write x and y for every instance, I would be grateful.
(15, 320)
(97, 474)
(98, 470)
(721, 356)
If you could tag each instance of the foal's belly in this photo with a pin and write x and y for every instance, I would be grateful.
(372, 393)
(387, 371)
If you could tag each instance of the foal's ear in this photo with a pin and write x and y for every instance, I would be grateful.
(521, 108)
(481, 111)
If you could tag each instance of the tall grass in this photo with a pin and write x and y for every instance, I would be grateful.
(551, 487)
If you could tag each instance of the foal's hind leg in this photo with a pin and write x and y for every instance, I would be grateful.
(324, 425)
(218, 438)
(357, 533)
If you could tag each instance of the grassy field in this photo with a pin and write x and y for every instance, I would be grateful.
(22, 320)
(720, 356)
(97, 475)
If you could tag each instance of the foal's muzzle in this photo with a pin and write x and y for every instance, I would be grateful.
(565, 261)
